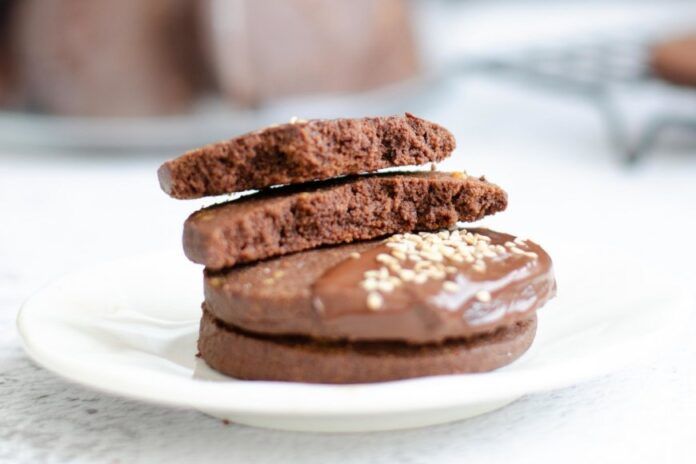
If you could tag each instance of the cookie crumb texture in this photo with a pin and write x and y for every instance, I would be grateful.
(287, 220)
(305, 151)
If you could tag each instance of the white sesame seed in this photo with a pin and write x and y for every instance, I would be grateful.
(374, 300)
(450, 286)
(447, 251)
(483, 296)
(407, 275)
(385, 286)
(355, 255)
(433, 256)
(439, 274)
(397, 246)
(479, 266)
(435, 274)
(395, 267)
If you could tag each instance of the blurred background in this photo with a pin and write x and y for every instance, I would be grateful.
(545, 98)
(584, 111)
(173, 74)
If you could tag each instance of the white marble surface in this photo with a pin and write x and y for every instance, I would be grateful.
(61, 212)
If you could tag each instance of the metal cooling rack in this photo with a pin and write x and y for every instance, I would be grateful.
(613, 74)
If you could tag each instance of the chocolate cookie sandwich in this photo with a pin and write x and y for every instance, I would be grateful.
(364, 278)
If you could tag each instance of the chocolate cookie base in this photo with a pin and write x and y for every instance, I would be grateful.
(256, 357)
(296, 218)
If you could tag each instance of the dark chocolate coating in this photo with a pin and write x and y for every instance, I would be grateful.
(317, 294)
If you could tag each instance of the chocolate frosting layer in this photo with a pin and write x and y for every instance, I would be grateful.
(417, 289)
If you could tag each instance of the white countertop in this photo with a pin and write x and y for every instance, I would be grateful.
(59, 213)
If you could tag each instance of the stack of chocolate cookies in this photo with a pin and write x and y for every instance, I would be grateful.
(345, 275)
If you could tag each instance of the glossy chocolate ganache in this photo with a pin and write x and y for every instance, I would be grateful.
(414, 288)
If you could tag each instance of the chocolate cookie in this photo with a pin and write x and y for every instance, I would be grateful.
(305, 151)
(291, 219)
(415, 289)
(675, 60)
(248, 356)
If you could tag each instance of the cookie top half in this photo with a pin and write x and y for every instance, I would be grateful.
(304, 151)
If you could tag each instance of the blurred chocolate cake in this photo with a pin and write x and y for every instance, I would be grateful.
(106, 57)
(9, 84)
(145, 58)
(264, 49)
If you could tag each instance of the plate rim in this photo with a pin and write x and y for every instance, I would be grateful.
(252, 397)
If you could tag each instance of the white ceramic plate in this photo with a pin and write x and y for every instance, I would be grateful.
(130, 327)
